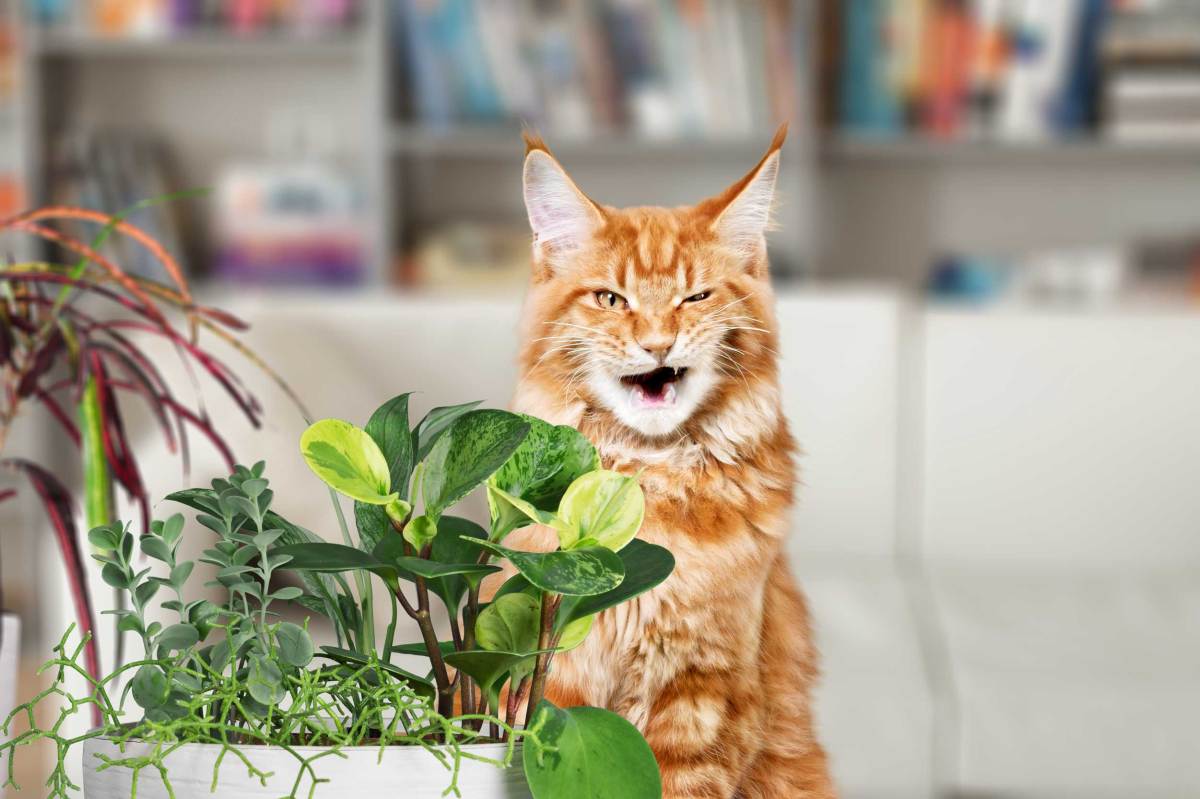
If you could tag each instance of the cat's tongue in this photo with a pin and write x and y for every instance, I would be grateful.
(654, 389)
(647, 398)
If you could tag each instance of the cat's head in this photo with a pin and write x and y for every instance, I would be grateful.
(653, 314)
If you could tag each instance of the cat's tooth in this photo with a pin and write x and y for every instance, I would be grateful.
(669, 394)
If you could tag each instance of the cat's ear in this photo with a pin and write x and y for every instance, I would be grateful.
(741, 215)
(563, 218)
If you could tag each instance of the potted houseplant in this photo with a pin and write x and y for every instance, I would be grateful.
(229, 698)
(71, 343)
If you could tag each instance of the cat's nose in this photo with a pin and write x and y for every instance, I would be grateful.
(657, 347)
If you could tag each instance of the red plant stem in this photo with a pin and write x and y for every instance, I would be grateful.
(542, 666)
(515, 697)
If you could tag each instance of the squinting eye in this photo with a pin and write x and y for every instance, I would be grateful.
(697, 297)
(609, 299)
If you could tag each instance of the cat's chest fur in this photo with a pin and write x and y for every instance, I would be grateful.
(722, 522)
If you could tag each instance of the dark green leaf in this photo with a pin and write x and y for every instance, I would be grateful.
(429, 429)
(388, 426)
(596, 755)
(418, 648)
(476, 445)
(488, 668)
(549, 459)
(449, 547)
(418, 684)
(421, 567)
(373, 524)
(510, 624)
(646, 565)
(579, 572)
(326, 557)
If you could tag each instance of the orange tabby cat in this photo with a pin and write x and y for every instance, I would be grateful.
(652, 331)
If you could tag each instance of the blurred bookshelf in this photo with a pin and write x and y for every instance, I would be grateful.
(328, 102)
(202, 46)
(919, 127)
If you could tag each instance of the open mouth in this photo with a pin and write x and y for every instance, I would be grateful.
(655, 388)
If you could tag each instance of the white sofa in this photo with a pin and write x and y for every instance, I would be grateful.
(999, 528)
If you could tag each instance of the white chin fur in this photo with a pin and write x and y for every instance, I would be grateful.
(656, 420)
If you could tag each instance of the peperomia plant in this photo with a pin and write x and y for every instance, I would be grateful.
(227, 671)
(403, 480)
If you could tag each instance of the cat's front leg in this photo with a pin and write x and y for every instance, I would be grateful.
(702, 735)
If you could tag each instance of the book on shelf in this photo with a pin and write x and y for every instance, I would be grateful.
(949, 69)
(164, 18)
(660, 68)
(1152, 60)
(286, 222)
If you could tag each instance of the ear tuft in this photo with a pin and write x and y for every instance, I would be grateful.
(562, 217)
(742, 213)
(533, 141)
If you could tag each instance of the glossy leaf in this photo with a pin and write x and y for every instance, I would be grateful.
(449, 547)
(574, 633)
(578, 572)
(388, 427)
(435, 423)
(488, 667)
(589, 753)
(510, 513)
(476, 445)
(604, 507)
(325, 557)
(509, 624)
(549, 459)
(347, 460)
(646, 565)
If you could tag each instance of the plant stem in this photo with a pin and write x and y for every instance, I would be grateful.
(470, 612)
(538, 689)
(440, 675)
(515, 695)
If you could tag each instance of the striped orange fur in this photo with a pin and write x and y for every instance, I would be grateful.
(716, 666)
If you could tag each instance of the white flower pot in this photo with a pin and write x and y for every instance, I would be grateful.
(10, 647)
(410, 772)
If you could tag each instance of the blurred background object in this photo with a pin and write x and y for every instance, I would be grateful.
(988, 258)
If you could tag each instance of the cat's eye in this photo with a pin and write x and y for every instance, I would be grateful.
(609, 299)
(704, 295)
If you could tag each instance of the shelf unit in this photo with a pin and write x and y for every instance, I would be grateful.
(914, 197)
(413, 176)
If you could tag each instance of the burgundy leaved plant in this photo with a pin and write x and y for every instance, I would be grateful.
(69, 342)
